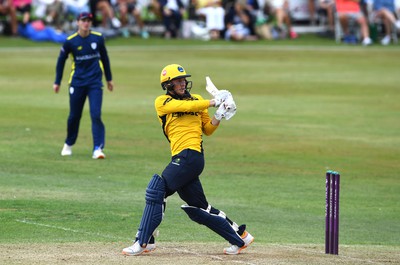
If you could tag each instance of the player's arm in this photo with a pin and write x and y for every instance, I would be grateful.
(166, 105)
(209, 125)
(62, 57)
(105, 60)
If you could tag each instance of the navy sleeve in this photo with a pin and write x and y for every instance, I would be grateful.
(105, 60)
(62, 57)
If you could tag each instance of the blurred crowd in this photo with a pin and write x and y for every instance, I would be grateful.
(349, 21)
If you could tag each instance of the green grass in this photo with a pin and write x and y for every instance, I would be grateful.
(302, 110)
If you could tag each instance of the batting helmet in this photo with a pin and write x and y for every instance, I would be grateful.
(171, 72)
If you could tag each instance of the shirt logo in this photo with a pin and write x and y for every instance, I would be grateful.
(93, 45)
(79, 48)
(176, 161)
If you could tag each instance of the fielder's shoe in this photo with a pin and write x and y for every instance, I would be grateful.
(67, 150)
(136, 249)
(98, 154)
(234, 250)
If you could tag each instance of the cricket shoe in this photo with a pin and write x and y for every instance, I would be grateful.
(234, 250)
(98, 154)
(136, 249)
(67, 150)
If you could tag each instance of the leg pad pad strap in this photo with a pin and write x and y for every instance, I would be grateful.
(215, 222)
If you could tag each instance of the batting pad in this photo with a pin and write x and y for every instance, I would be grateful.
(215, 222)
(153, 211)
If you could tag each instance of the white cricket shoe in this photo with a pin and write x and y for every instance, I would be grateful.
(67, 150)
(234, 250)
(136, 249)
(149, 248)
(98, 154)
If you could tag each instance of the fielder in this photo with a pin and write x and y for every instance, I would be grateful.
(184, 118)
(90, 62)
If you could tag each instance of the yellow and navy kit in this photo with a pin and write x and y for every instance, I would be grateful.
(184, 121)
(90, 58)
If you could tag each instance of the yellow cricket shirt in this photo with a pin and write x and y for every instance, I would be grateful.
(184, 121)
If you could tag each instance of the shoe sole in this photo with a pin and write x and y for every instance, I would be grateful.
(143, 252)
(129, 254)
(240, 249)
(148, 250)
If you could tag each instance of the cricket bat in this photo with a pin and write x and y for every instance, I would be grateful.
(210, 87)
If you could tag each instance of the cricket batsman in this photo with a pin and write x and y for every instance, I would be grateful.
(184, 119)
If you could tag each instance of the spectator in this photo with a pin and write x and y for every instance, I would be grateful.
(153, 7)
(280, 9)
(126, 7)
(350, 9)
(25, 7)
(328, 7)
(239, 23)
(75, 7)
(172, 14)
(107, 13)
(385, 10)
(214, 15)
(7, 9)
(311, 10)
(51, 11)
(259, 11)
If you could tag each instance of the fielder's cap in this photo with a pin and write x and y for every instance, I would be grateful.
(84, 15)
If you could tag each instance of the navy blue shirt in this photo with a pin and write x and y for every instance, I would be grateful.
(90, 59)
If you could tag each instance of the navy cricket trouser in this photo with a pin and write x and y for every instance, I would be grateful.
(77, 98)
(182, 176)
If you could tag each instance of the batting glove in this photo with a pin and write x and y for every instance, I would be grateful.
(220, 113)
(217, 101)
(230, 107)
(221, 96)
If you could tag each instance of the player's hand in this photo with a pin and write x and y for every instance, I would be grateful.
(226, 110)
(221, 96)
(217, 102)
(230, 107)
(110, 85)
(56, 88)
(220, 113)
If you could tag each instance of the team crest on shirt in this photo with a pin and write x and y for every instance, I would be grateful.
(93, 45)
(176, 161)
